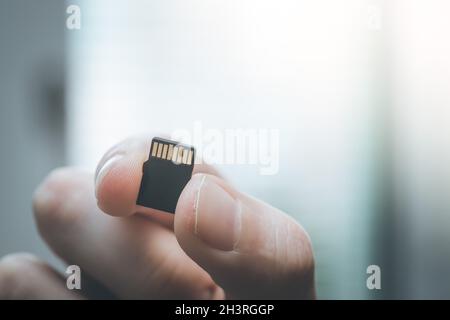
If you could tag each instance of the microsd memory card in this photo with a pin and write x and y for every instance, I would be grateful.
(165, 173)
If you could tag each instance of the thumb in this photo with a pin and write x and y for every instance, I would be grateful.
(249, 248)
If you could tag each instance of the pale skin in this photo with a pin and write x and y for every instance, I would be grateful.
(219, 244)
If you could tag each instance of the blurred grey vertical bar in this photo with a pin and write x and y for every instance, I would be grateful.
(384, 218)
(32, 63)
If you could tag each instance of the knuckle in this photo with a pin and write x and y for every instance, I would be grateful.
(55, 199)
(13, 275)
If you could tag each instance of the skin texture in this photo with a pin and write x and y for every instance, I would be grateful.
(220, 243)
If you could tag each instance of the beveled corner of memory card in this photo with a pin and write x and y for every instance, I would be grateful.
(165, 174)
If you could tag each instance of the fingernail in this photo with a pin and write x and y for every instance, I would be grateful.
(104, 169)
(217, 215)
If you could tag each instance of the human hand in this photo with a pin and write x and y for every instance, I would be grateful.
(220, 243)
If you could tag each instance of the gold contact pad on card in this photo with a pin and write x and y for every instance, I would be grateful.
(177, 154)
(164, 152)
(154, 149)
(180, 155)
(189, 159)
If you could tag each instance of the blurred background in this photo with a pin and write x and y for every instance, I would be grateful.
(359, 91)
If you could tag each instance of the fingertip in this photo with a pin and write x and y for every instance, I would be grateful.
(117, 185)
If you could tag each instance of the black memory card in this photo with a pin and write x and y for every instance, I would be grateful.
(165, 173)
